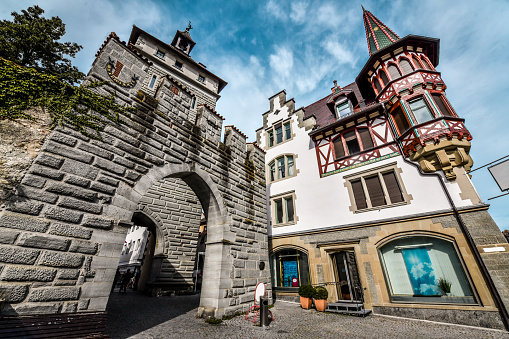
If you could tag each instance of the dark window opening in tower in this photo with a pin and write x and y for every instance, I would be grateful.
(377, 85)
(394, 72)
(406, 67)
(384, 78)
(400, 120)
(439, 101)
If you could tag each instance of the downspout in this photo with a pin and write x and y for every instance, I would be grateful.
(491, 286)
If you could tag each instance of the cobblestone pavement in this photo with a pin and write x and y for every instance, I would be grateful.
(133, 315)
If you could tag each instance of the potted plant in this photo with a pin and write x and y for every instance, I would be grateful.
(445, 286)
(321, 294)
(306, 295)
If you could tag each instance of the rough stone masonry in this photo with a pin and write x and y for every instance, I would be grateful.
(62, 230)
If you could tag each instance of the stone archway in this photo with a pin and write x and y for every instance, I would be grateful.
(63, 229)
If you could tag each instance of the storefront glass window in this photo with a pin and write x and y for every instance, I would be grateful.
(420, 269)
(289, 269)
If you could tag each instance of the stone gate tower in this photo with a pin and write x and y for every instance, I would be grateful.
(63, 229)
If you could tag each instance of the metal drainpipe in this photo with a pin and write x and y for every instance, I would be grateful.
(498, 301)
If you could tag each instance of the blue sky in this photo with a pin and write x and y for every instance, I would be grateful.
(262, 47)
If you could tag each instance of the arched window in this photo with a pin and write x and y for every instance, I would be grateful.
(289, 269)
(394, 72)
(377, 85)
(282, 167)
(405, 66)
(417, 62)
(384, 78)
(425, 64)
(425, 269)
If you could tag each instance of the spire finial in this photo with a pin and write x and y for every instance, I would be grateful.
(378, 35)
(363, 9)
(189, 27)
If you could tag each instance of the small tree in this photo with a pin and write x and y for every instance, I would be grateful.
(31, 40)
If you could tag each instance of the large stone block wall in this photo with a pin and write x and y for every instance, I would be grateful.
(176, 210)
(485, 233)
(63, 230)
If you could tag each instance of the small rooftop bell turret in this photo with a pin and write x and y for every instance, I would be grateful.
(183, 41)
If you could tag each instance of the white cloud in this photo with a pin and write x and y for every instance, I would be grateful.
(275, 10)
(282, 62)
(298, 13)
(340, 51)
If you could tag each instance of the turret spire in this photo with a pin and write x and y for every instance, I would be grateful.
(378, 35)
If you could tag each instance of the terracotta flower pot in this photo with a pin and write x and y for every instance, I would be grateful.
(321, 304)
(306, 302)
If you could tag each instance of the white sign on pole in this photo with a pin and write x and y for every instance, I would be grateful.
(500, 173)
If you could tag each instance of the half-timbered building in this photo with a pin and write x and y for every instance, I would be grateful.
(368, 194)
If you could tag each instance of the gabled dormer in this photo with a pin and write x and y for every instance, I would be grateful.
(342, 102)
(183, 41)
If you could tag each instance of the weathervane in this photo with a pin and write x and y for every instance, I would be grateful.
(189, 26)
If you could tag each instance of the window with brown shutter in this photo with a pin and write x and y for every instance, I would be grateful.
(425, 64)
(392, 187)
(405, 66)
(339, 151)
(358, 194)
(366, 140)
(352, 143)
(417, 62)
(377, 85)
(437, 98)
(394, 72)
(400, 119)
(375, 191)
(384, 78)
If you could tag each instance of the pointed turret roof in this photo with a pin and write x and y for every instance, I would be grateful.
(378, 35)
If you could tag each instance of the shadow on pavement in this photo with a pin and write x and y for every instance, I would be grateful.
(132, 312)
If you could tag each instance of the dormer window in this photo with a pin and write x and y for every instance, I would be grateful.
(178, 65)
(343, 109)
(201, 78)
(160, 54)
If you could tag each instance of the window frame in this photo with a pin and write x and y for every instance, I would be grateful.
(178, 65)
(283, 197)
(271, 139)
(378, 171)
(274, 162)
(359, 141)
(160, 54)
(428, 300)
(401, 59)
(302, 267)
(347, 105)
(201, 78)
(397, 69)
(427, 104)
(152, 81)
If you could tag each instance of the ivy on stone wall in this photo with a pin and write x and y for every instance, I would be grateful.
(22, 88)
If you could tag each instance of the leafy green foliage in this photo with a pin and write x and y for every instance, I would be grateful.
(213, 321)
(31, 40)
(306, 291)
(22, 88)
(444, 285)
(320, 293)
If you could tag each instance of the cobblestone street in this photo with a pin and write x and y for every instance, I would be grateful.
(134, 315)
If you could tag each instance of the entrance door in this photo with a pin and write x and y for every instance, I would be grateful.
(347, 277)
